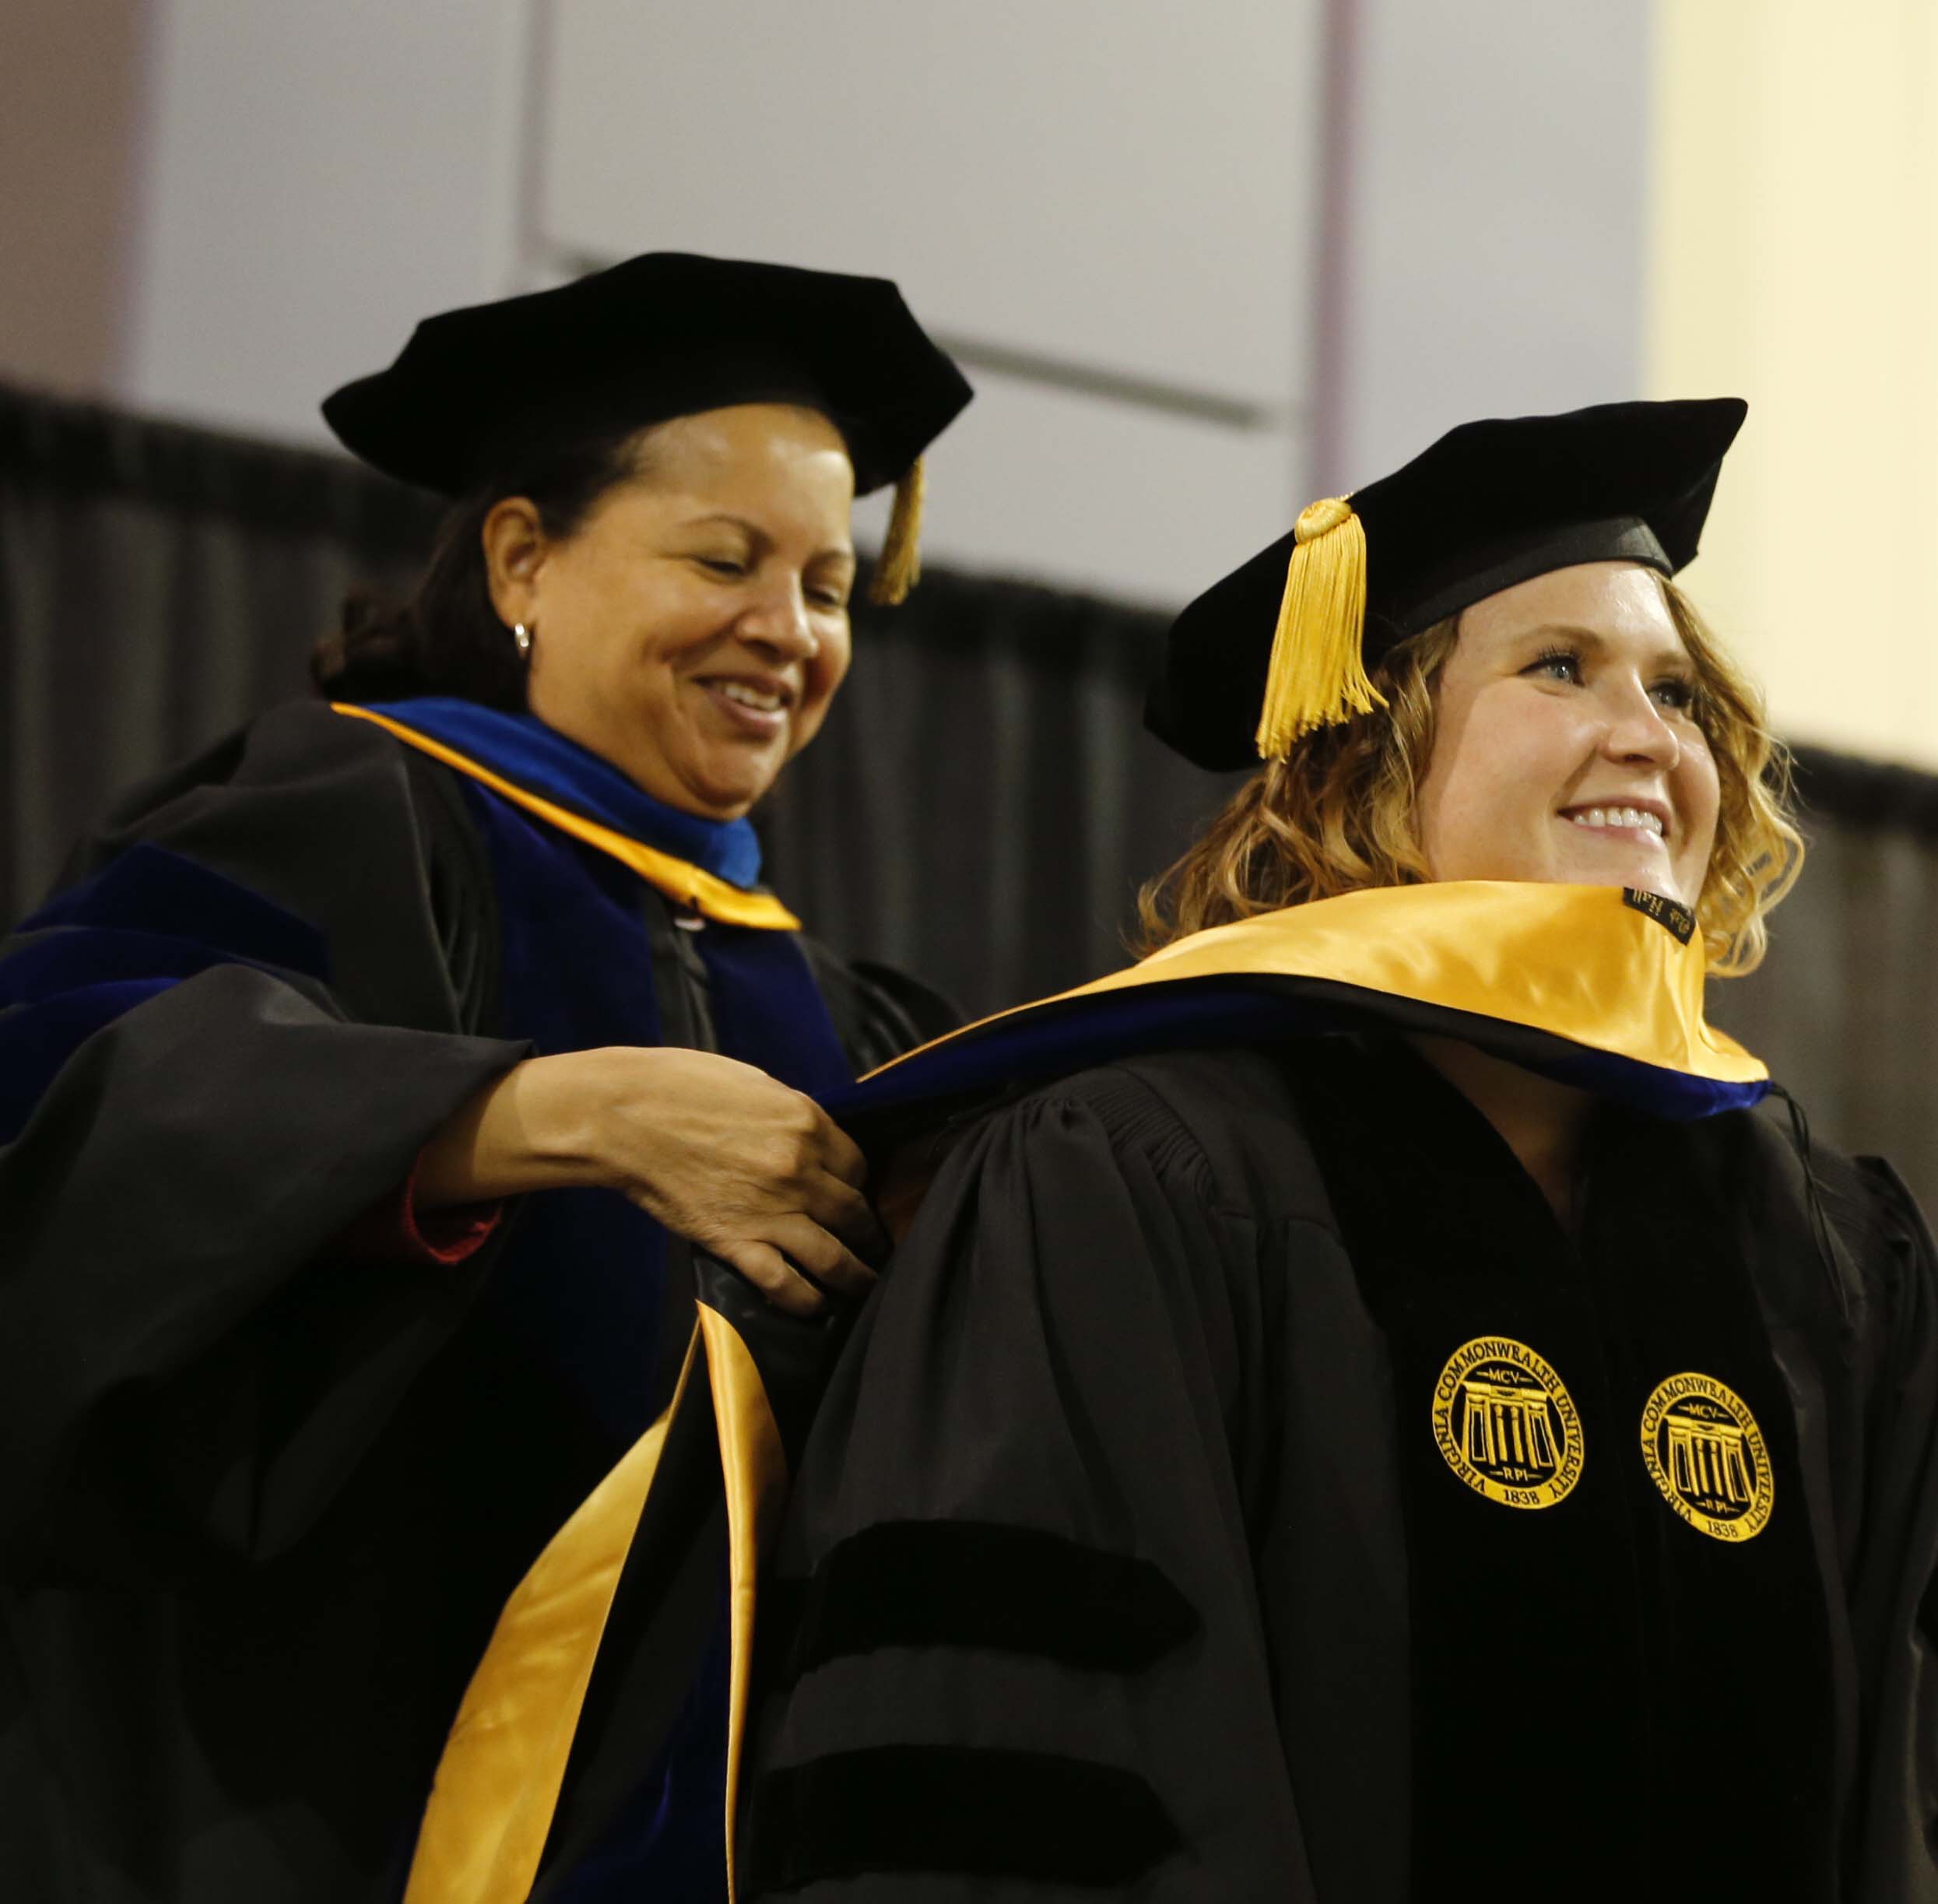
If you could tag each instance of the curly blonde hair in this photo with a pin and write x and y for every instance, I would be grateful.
(1339, 813)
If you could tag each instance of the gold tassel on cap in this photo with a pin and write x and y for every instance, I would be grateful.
(900, 566)
(1317, 676)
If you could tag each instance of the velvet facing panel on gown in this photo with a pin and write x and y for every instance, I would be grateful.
(144, 924)
(1630, 1757)
(568, 902)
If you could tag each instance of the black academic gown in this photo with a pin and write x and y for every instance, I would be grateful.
(265, 1491)
(1132, 1553)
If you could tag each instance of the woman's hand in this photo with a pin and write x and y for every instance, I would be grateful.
(717, 1151)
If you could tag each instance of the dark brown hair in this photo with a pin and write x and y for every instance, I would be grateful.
(446, 637)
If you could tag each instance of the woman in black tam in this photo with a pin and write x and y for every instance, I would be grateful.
(377, 1085)
(1366, 1409)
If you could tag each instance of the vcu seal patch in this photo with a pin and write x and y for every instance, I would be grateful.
(1505, 1423)
(1704, 1450)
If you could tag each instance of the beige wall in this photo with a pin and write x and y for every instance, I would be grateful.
(71, 87)
(1794, 255)
(318, 174)
(1494, 252)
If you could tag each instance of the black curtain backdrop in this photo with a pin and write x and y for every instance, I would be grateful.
(979, 810)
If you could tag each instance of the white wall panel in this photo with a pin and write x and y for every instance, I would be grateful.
(1123, 189)
(1495, 198)
(1122, 183)
(1051, 485)
(316, 179)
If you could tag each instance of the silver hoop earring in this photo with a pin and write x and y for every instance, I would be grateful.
(522, 641)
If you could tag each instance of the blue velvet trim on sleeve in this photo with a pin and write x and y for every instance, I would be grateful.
(152, 890)
(144, 923)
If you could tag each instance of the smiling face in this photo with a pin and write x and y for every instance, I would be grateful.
(694, 629)
(1566, 745)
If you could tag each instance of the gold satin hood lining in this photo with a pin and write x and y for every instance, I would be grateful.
(1578, 962)
(498, 1782)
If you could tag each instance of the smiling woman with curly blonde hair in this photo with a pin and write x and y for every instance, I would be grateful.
(1366, 1411)
(1339, 813)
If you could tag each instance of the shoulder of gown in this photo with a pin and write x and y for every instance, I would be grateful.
(258, 991)
(339, 823)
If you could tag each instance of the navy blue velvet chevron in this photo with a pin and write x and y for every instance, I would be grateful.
(141, 925)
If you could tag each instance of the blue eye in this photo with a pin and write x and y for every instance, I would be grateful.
(1561, 664)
